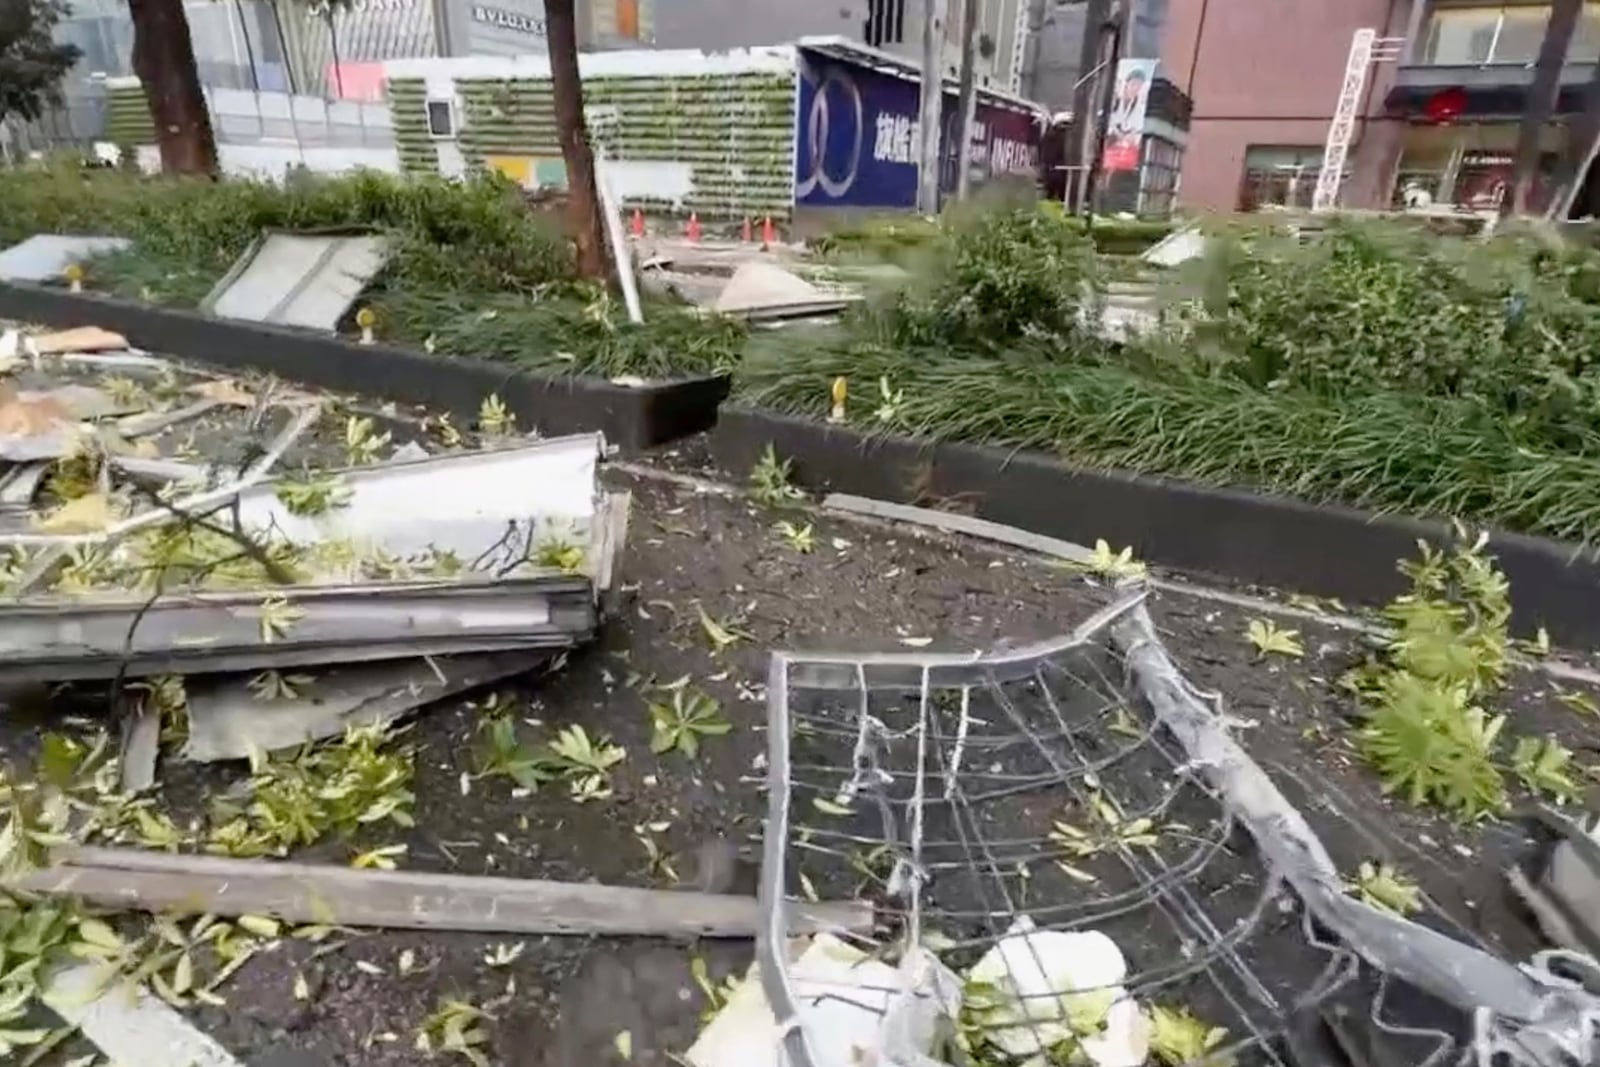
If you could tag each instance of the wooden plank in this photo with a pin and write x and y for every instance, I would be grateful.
(306, 893)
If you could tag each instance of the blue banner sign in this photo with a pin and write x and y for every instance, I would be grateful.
(856, 137)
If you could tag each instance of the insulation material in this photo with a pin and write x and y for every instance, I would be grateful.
(298, 279)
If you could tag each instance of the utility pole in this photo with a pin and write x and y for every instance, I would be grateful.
(967, 97)
(933, 15)
(1084, 96)
(1110, 51)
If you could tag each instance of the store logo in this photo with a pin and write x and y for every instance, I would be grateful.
(322, 9)
(831, 158)
(508, 20)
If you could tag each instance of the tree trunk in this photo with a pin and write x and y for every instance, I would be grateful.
(932, 109)
(163, 58)
(968, 95)
(583, 200)
(1542, 96)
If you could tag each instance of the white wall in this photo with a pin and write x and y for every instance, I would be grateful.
(271, 162)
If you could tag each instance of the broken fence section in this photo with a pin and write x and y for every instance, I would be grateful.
(1064, 838)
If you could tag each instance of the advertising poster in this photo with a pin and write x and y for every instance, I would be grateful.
(1125, 127)
(856, 138)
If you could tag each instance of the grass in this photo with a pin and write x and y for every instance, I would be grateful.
(1380, 368)
(1383, 451)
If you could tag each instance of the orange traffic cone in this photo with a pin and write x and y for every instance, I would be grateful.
(636, 224)
(769, 234)
(693, 229)
(745, 234)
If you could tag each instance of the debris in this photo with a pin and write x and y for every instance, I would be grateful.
(291, 279)
(34, 425)
(1046, 987)
(1176, 248)
(79, 339)
(905, 773)
(489, 509)
(132, 1028)
(765, 291)
(412, 900)
(42, 257)
(19, 483)
(843, 993)
(190, 506)
(53, 638)
(1560, 881)
(141, 745)
(229, 718)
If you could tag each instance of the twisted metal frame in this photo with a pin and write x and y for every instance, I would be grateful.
(938, 784)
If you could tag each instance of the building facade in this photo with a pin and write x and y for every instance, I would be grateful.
(1473, 62)
(1264, 91)
(894, 26)
(1437, 121)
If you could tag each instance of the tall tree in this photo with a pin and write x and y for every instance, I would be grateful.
(583, 200)
(1541, 103)
(31, 62)
(163, 58)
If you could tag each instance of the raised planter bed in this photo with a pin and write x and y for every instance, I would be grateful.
(1242, 536)
(634, 417)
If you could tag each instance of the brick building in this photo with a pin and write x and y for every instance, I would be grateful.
(1264, 78)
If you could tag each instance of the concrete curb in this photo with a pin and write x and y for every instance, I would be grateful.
(1240, 536)
(634, 417)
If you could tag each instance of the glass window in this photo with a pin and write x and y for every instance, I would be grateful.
(1461, 37)
(1280, 176)
(1521, 33)
(1586, 42)
(1509, 34)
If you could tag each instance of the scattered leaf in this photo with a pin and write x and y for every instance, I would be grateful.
(1269, 639)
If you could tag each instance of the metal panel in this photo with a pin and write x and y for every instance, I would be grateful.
(230, 719)
(44, 256)
(54, 637)
(466, 503)
(298, 279)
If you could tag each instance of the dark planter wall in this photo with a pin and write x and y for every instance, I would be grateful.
(1238, 536)
(634, 418)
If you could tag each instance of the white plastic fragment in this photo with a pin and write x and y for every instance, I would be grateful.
(843, 996)
(132, 1028)
(1048, 986)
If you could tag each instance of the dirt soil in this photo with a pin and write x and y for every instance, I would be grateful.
(562, 1001)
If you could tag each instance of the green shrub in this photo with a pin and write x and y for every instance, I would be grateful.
(1508, 324)
(475, 233)
(992, 279)
(580, 332)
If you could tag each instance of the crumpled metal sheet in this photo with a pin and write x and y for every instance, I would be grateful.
(49, 638)
(486, 507)
(230, 719)
(306, 280)
(44, 256)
